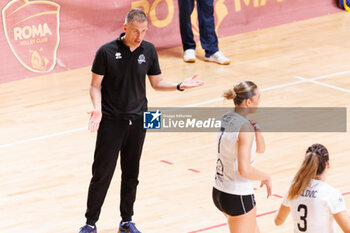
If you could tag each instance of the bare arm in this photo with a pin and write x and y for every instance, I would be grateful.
(343, 221)
(160, 84)
(260, 142)
(95, 94)
(245, 169)
(282, 215)
(245, 142)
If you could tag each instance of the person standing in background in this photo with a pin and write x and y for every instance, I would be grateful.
(208, 38)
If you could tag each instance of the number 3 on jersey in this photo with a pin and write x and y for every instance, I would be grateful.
(302, 226)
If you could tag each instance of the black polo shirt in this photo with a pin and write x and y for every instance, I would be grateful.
(123, 85)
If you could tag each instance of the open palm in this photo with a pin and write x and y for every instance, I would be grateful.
(191, 82)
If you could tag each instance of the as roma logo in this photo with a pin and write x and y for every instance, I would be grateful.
(32, 32)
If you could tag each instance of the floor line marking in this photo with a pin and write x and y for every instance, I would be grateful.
(167, 162)
(323, 84)
(225, 224)
(331, 75)
(42, 137)
(276, 195)
(193, 170)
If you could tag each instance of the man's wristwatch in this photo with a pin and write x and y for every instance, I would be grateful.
(178, 87)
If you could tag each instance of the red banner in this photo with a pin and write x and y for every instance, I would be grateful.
(39, 37)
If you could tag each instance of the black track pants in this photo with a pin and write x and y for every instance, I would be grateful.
(115, 135)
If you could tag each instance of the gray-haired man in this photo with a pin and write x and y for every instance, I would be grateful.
(119, 97)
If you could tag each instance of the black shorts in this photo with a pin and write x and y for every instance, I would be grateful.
(233, 205)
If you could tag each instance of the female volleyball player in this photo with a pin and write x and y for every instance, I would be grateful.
(237, 141)
(313, 203)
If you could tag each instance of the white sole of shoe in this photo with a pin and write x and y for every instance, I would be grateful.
(225, 63)
(190, 61)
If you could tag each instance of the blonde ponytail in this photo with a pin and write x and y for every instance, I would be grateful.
(306, 173)
(229, 94)
(241, 91)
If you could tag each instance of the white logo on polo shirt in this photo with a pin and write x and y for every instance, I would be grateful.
(141, 59)
(118, 55)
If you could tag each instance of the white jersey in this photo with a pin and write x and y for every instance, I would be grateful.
(312, 211)
(227, 177)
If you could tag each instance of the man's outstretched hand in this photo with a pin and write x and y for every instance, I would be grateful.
(191, 83)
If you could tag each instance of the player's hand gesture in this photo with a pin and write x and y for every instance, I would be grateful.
(268, 185)
(95, 119)
(191, 83)
(255, 125)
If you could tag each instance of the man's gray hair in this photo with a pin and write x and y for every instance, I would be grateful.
(136, 14)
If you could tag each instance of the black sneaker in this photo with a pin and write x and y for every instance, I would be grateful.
(88, 229)
(128, 227)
